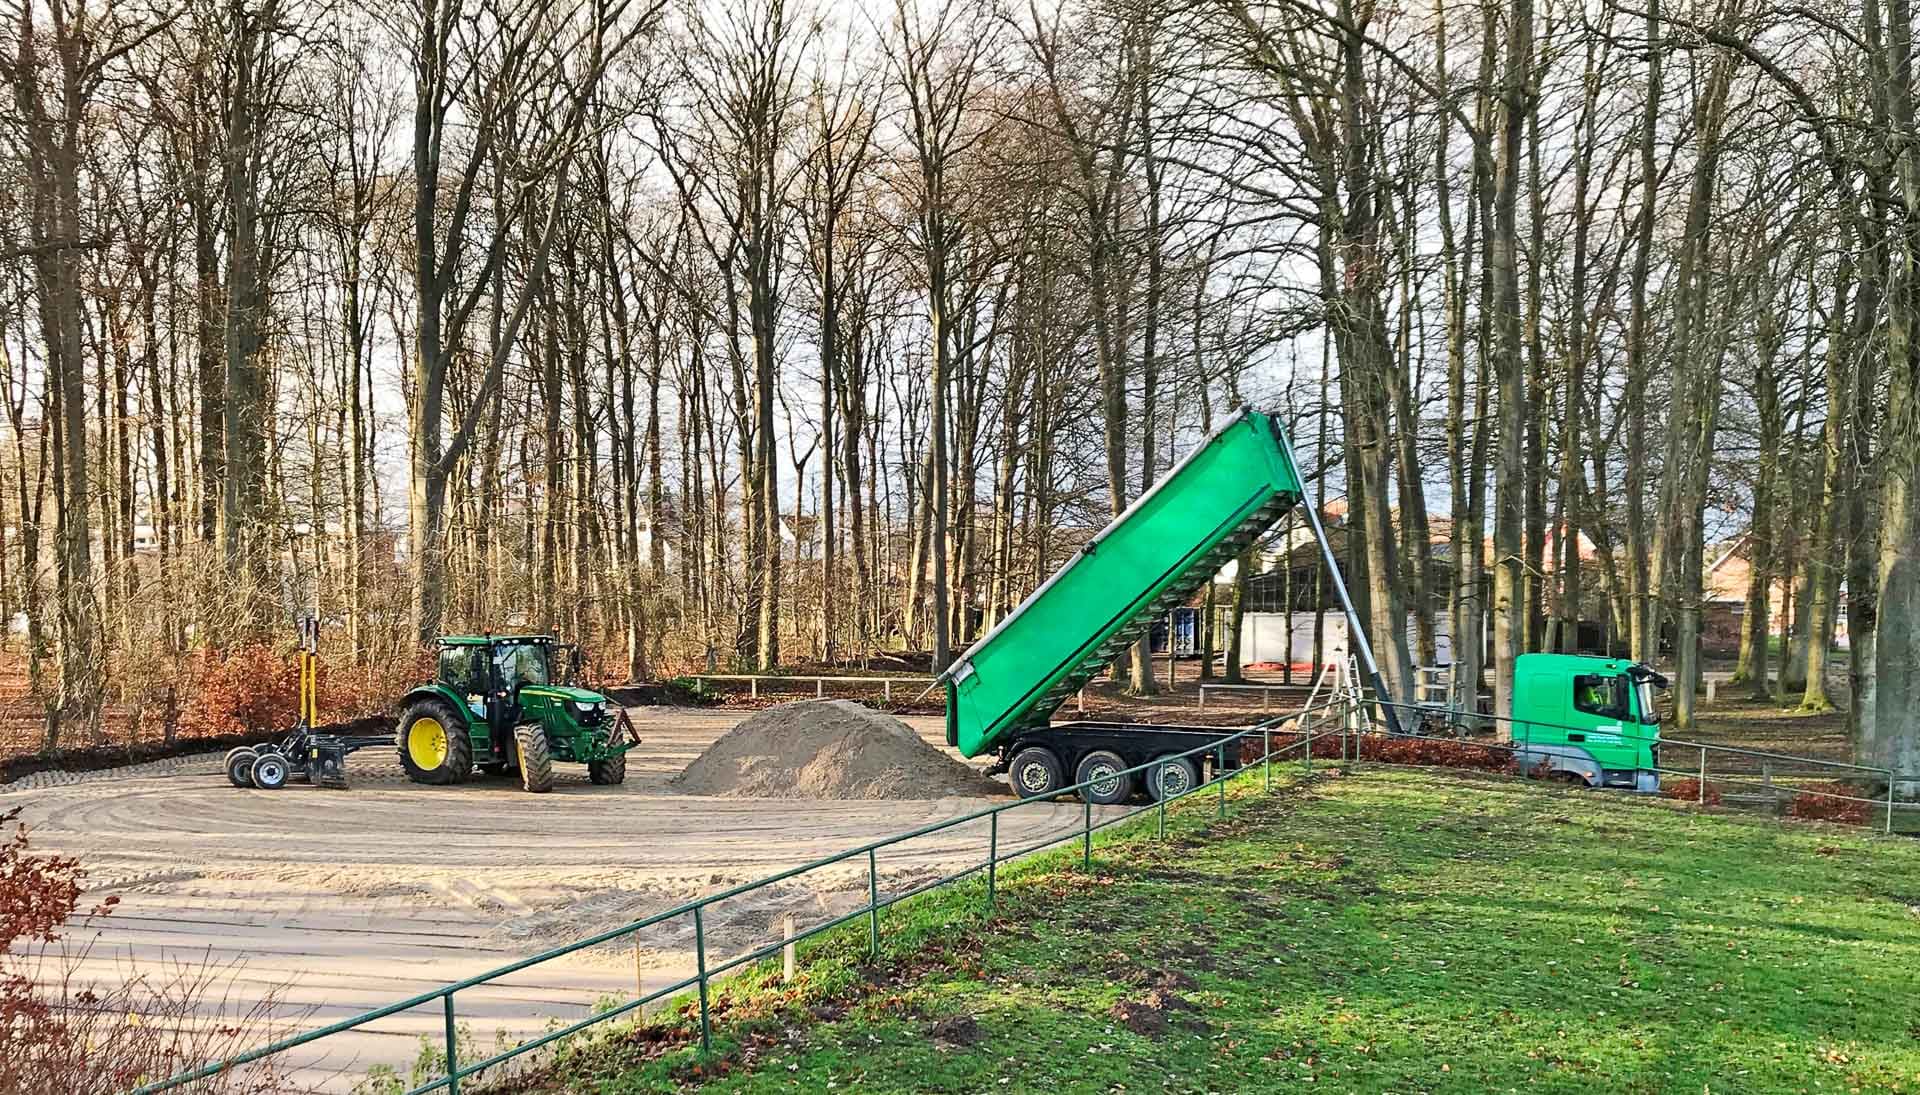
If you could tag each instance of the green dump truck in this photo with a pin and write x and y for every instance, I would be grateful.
(1588, 720)
(1003, 691)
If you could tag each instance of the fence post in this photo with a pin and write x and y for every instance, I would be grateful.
(1266, 754)
(700, 966)
(819, 687)
(1086, 830)
(886, 690)
(1162, 796)
(753, 686)
(1220, 775)
(1703, 775)
(640, 976)
(873, 902)
(1306, 759)
(1889, 802)
(993, 854)
(453, 1052)
(789, 954)
(1203, 697)
(1266, 698)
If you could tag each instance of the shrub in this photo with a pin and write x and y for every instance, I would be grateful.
(1687, 789)
(58, 1034)
(1431, 752)
(1438, 753)
(1813, 802)
(693, 692)
(254, 688)
(37, 892)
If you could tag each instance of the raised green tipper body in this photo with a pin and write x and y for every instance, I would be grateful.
(1151, 558)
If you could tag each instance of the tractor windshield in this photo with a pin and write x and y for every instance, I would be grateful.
(521, 663)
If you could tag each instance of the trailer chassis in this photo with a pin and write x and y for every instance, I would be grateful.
(1041, 761)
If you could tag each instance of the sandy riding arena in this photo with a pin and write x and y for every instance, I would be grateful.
(345, 901)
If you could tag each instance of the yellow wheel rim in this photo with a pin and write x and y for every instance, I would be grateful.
(427, 743)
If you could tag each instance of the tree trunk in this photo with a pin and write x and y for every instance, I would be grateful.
(1891, 737)
(1509, 471)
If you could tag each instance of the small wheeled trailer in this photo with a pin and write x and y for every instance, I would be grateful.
(300, 753)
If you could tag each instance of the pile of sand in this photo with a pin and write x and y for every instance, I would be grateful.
(831, 749)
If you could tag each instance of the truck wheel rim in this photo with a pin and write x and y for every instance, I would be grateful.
(1034, 777)
(1104, 782)
(427, 743)
(1173, 780)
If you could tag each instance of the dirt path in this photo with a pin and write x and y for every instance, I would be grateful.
(347, 901)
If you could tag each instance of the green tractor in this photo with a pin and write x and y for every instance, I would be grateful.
(504, 704)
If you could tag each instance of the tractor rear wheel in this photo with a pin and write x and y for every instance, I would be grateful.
(608, 772)
(536, 759)
(433, 743)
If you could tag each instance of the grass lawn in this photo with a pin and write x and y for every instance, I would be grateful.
(1392, 930)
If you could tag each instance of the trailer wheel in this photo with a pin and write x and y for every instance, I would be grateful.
(240, 766)
(269, 771)
(433, 743)
(536, 760)
(1104, 773)
(1171, 777)
(1036, 772)
(608, 772)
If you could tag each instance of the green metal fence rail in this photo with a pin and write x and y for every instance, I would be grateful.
(705, 974)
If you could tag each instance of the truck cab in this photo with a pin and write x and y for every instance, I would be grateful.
(1588, 719)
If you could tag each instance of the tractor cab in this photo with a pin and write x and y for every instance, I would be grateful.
(1588, 719)
(489, 673)
(504, 703)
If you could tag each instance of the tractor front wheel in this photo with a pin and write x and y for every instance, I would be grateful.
(536, 759)
(608, 772)
(433, 743)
